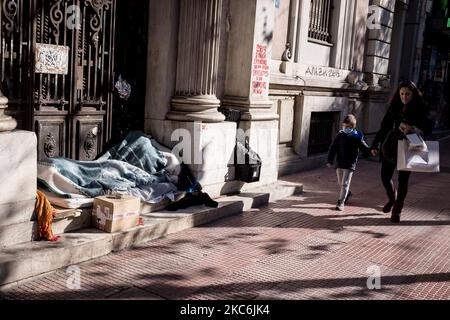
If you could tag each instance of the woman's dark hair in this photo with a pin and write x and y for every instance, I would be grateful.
(396, 101)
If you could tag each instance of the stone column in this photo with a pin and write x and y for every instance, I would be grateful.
(197, 64)
(379, 42)
(6, 123)
(249, 58)
(248, 78)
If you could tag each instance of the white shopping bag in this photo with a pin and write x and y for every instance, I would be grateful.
(418, 160)
(416, 142)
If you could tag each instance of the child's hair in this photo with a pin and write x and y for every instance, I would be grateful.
(350, 119)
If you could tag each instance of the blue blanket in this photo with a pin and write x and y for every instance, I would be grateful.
(137, 150)
(134, 166)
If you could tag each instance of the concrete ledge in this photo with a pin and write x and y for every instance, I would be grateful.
(17, 233)
(165, 223)
(28, 260)
(72, 220)
(16, 212)
(280, 190)
(303, 164)
(65, 221)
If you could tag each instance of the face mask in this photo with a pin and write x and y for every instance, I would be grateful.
(348, 130)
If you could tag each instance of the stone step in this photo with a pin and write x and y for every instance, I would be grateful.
(286, 152)
(66, 220)
(294, 165)
(289, 162)
(278, 190)
(289, 166)
(28, 260)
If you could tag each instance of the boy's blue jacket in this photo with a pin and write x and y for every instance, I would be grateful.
(345, 148)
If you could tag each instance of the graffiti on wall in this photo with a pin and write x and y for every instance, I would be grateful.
(314, 71)
(260, 83)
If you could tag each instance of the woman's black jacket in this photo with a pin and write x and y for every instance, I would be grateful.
(414, 115)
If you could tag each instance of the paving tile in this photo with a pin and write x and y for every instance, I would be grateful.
(296, 248)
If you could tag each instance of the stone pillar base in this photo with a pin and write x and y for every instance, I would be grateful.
(196, 108)
(7, 124)
(208, 149)
(210, 116)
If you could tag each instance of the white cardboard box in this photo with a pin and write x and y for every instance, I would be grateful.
(112, 215)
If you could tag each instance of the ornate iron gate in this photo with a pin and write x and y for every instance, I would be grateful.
(57, 70)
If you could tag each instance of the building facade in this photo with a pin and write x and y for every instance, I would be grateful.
(292, 68)
(345, 57)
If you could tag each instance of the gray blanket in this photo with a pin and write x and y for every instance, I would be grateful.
(134, 167)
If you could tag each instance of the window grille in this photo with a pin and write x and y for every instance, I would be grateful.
(319, 21)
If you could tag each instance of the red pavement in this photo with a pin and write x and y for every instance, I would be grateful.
(297, 248)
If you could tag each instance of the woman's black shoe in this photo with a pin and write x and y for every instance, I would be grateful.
(395, 218)
(388, 206)
(396, 211)
(397, 208)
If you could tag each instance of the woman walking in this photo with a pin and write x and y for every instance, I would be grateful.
(406, 114)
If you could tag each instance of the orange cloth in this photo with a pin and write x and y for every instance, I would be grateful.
(45, 214)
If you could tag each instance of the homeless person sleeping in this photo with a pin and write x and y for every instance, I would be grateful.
(138, 166)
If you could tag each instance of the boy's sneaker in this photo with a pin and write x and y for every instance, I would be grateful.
(339, 206)
(349, 195)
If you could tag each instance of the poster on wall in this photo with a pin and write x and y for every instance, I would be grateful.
(51, 59)
(260, 73)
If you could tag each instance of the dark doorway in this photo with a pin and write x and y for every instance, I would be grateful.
(131, 65)
(323, 126)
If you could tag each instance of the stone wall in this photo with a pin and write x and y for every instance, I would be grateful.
(18, 172)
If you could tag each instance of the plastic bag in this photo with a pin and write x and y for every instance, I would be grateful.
(123, 88)
(248, 163)
(416, 142)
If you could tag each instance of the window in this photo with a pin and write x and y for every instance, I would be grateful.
(319, 21)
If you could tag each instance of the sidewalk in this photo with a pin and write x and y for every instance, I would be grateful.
(297, 248)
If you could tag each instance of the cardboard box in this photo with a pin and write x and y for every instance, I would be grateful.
(112, 214)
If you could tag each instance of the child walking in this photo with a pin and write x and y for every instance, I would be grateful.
(345, 148)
